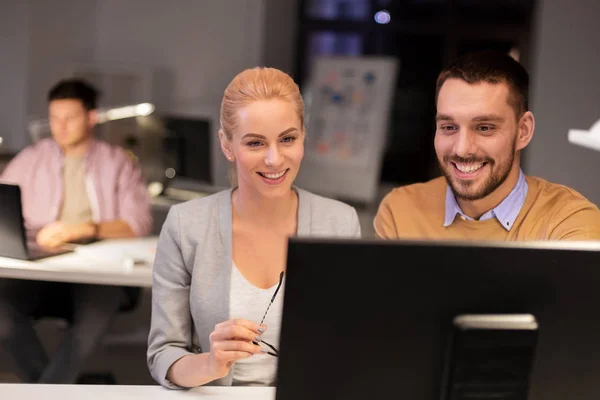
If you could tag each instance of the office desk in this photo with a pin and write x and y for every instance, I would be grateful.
(103, 263)
(116, 392)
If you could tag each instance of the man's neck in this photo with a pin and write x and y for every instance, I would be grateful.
(475, 209)
(79, 149)
(262, 211)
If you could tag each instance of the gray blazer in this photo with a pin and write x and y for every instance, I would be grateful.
(192, 269)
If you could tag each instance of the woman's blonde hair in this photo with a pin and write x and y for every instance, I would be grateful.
(254, 84)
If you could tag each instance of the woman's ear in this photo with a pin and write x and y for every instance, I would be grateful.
(525, 130)
(226, 146)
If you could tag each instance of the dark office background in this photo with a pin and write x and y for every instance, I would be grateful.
(423, 35)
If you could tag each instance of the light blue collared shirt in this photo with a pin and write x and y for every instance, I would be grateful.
(506, 212)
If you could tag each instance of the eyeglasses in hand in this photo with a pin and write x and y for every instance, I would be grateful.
(273, 352)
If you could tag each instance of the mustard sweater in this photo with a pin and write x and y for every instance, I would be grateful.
(550, 212)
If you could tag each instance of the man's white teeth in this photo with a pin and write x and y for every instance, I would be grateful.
(468, 168)
(274, 176)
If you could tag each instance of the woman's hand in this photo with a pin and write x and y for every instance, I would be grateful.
(231, 341)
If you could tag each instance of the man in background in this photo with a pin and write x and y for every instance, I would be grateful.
(73, 188)
(483, 123)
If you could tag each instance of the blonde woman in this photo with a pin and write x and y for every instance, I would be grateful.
(216, 295)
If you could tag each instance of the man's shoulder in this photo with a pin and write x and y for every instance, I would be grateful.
(41, 147)
(36, 153)
(406, 210)
(567, 214)
(424, 193)
(556, 196)
(118, 155)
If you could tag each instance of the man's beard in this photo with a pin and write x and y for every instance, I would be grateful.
(465, 190)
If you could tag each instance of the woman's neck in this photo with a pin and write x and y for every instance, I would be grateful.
(251, 206)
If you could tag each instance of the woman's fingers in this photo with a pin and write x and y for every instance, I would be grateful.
(253, 326)
(234, 332)
(237, 346)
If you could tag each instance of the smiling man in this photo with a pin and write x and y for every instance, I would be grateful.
(482, 125)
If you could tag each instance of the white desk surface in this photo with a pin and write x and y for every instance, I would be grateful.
(101, 263)
(118, 392)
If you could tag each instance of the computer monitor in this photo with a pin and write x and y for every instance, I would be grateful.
(440, 320)
(188, 147)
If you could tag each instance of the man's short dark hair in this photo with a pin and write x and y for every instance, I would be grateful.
(76, 89)
(491, 67)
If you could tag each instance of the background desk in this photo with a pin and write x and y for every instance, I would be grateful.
(100, 263)
(116, 392)
(97, 263)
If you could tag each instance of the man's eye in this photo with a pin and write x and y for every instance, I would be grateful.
(486, 128)
(448, 128)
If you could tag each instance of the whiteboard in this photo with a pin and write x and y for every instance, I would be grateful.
(348, 109)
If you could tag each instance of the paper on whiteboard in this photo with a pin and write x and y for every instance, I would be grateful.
(349, 103)
(349, 109)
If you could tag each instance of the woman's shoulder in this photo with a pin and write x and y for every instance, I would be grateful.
(321, 215)
(325, 205)
(201, 208)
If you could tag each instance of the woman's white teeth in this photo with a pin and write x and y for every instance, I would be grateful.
(274, 176)
(468, 168)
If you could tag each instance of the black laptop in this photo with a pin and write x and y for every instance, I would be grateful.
(15, 242)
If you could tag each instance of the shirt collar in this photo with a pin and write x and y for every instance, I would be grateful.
(88, 154)
(506, 212)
